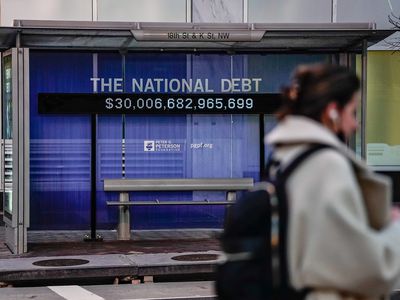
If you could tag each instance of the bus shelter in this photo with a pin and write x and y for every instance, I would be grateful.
(83, 102)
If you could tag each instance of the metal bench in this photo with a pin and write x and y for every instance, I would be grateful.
(124, 186)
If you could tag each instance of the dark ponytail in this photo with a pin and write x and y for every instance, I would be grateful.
(314, 87)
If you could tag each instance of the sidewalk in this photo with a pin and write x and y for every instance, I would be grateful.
(149, 253)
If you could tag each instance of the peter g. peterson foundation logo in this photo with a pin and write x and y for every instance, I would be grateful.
(149, 146)
(161, 146)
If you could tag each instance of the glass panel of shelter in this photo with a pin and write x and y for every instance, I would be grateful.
(6, 137)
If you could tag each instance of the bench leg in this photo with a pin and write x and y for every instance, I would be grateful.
(231, 196)
(124, 230)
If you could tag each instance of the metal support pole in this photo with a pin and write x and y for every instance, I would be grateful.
(93, 180)
(93, 204)
(123, 231)
(262, 146)
(19, 152)
(363, 97)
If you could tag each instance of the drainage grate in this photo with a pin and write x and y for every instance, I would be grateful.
(195, 257)
(60, 262)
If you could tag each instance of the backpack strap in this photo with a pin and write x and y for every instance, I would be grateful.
(279, 220)
(285, 173)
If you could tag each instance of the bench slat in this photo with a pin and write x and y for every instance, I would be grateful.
(178, 184)
(143, 203)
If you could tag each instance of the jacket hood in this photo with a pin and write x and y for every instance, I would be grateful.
(297, 129)
(302, 130)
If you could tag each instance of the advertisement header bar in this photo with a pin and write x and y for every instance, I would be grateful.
(119, 103)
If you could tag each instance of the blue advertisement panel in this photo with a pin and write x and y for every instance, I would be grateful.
(59, 144)
(109, 145)
(143, 145)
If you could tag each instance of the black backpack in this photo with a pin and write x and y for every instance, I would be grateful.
(254, 241)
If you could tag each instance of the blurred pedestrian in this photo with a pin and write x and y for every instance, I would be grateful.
(342, 243)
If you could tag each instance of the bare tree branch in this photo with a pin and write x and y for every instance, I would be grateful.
(394, 44)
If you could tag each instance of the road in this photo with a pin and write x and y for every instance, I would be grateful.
(201, 290)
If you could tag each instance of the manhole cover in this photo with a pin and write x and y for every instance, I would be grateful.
(60, 262)
(195, 257)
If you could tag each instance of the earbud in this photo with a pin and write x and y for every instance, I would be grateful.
(333, 114)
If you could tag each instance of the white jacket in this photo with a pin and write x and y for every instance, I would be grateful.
(341, 241)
